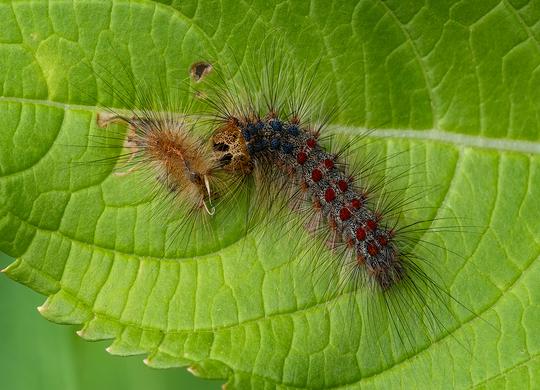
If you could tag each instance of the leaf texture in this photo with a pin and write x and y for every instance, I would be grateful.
(455, 84)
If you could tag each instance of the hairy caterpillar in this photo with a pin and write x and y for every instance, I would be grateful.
(269, 126)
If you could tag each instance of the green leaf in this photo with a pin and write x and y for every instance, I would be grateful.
(454, 83)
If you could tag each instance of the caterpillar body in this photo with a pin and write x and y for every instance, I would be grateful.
(269, 127)
(333, 193)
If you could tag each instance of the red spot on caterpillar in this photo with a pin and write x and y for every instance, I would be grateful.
(356, 203)
(371, 224)
(372, 249)
(301, 158)
(342, 185)
(316, 175)
(329, 164)
(311, 143)
(344, 214)
(360, 234)
(382, 240)
(329, 194)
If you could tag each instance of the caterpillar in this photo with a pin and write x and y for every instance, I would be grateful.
(333, 193)
(269, 127)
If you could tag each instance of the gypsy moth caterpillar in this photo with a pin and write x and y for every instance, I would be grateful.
(270, 128)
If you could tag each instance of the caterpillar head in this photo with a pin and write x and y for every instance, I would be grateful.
(230, 150)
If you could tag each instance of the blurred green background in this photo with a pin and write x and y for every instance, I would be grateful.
(60, 359)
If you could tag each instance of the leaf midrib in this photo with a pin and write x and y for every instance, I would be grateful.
(435, 134)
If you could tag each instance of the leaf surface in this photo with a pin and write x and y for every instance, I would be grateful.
(456, 84)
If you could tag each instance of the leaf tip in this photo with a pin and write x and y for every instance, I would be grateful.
(147, 362)
(80, 333)
(109, 349)
(41, 309)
